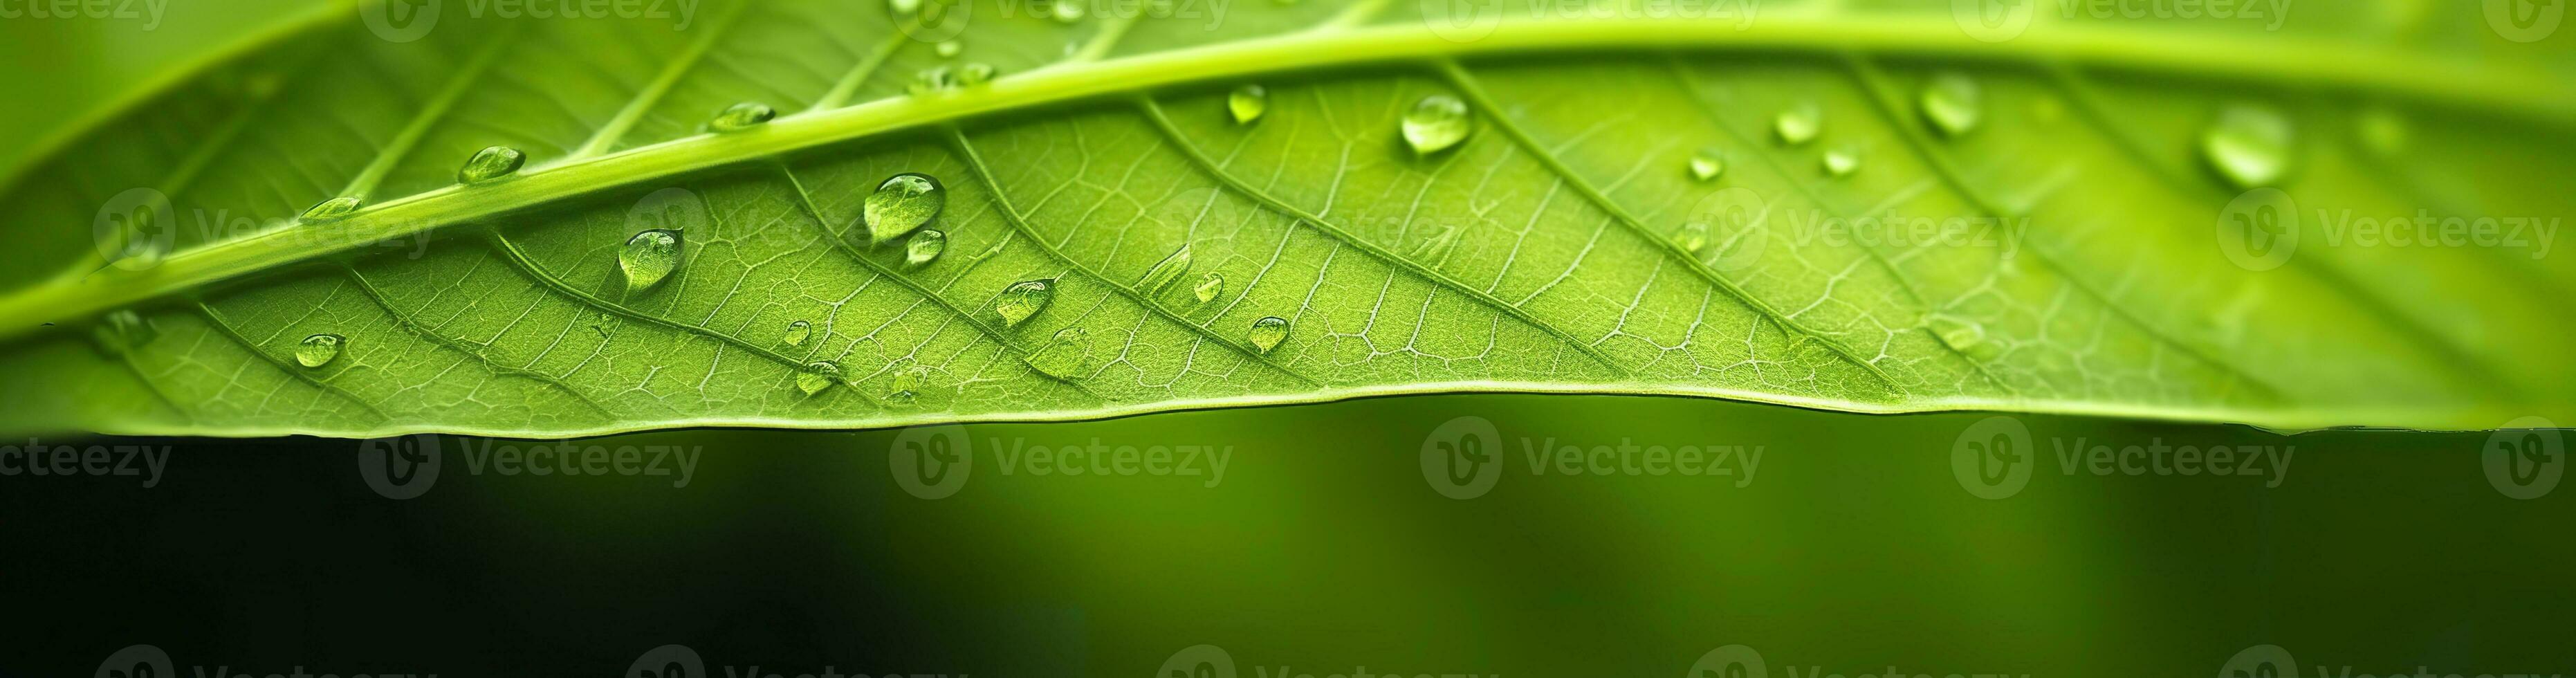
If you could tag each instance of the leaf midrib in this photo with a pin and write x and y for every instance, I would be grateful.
(81, 292)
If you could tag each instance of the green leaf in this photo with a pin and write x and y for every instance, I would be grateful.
(2064, 232)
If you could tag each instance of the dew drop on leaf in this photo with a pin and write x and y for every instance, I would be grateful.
(1268, 332)
(1798, 124)
(1841, 162)
(1952, 103)
(1209, 286)
(816, 376)
(648, 257)
(907, 384)
(924, 246)
(797, 332)
(1436, 123)
(1064, 356)
(1171, 268)
(1693, 237)
(903, 7)
(1707, 164)
(491, 163)
(933, 80)
(334, 209)
(1023, 299)
(742, 116)
(975, 73)
(1247, 103)
(950, 48)
(1966, 337)
(121, 331)
(902, 203)
(318, 350)
(1067, 11)
(2249, 145)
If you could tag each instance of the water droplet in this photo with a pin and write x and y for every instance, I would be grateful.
(924, 246)
(1247, 103)
(1436, 123)
(1707, 164)
(2382, 130)
(1068, 11)
(742, 116)
(1209, 286)
(902, 203)
(334, 209)
(1953, 104)
(1164, 272)
(1023, 299)
(1966, 337)
(122, 331)
(907, 384)
(976, 73)
(903, 7)
(798, 332)
(933, 80)
(817, 375)
(1065, 356)
(1268, 332)
(648, 257)
(1841, 162)
(2249, 145)
(491, 163)
(1798, 124)
(318, 350)
(1693, 236)
(949, 48)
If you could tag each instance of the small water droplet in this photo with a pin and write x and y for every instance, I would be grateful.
(1268, 332)
(2383, 130)
(334, 209)
(318, 350)
(1953, 103)
(2249, 145)
(1209, 286)
(902, 203)
(121, 331)
(933, 80)
(797, 333)
(648, 257)
(1065, 356)
(1798, 124)
(491, 163)
(817, 375)
(907, 384)
(949, 48)
(924, 246)
(1692, 237)
(1023, 299)
(1171, 268)
(1247, 103)
(742, 116)
(976, 73)
(1841, 162)
(1068, 11)
(1966, 337)
(903, 7)
(1707, 164)
(1436, 123)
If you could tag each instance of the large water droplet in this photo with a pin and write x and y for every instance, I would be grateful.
(648, 257)
(924, 246)
(907, 384)
(1209, 286)
(1798, 124)
(1065, 356)
(1067, 11)
(1707, 164)
(121, 331)
(1693, 236)
(950, 48)
(491, 163)
(742, 116)
(2249, 145)
(903, 203)
(797, 333)
(1841, 162)
(903, 7)
(334, 209)
(1436, 123)
(1952, 103)
(1268, 332)
(1247, 103)
(318, 350)
(933, 80)
(817, 375)
(1164, 272)
(1023, 299)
